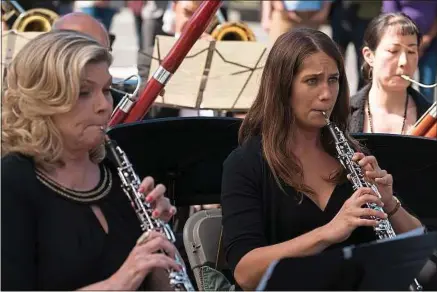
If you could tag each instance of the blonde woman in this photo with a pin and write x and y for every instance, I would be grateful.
(66, 224)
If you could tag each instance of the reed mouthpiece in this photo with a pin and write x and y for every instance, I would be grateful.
(326, 118)
(418, 83)
(105, 134)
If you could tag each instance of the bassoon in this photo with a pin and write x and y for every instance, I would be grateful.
(426, 125)
(131, 110)
(134, 110)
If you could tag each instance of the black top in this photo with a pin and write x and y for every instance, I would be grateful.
(257, 213)
(50, 242)
(358, 101)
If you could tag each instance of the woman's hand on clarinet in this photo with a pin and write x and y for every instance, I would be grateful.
(144, 258)
(353, 214)
(374, 174)
(155, 196)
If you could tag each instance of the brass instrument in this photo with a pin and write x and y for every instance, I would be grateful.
(220, 29)
(233, 31)
(36, 19)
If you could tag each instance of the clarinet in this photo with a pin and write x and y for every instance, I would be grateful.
(345, 153)
(179, 280)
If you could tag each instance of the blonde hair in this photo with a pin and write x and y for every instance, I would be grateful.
(44, 80)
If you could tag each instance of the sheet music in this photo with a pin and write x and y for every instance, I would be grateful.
(214, 75)
(12, 42)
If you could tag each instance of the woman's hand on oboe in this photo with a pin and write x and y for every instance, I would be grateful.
(353, 214)
(144, 258)
(155, 196)
(374, 174)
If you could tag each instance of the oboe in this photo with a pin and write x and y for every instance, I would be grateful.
(344, 154)
(179, 280)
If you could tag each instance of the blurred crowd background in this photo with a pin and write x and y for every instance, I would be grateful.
(134, 25)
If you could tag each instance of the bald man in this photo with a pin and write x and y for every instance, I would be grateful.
(84, 23)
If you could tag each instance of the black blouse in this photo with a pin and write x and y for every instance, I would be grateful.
(257, 213)
(50, 242)
(358, 101)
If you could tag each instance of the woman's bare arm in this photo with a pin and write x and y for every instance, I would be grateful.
(401, 220)
(252, 266)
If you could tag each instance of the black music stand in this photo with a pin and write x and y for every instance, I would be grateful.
(413, 163)
(185, 154)
(390, 265)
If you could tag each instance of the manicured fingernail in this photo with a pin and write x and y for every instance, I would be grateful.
(148, 199)
(155, 214)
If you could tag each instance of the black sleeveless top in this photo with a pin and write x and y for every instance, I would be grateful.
(357, 105)
(51, 238)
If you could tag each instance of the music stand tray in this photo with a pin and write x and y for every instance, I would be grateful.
(381, 265)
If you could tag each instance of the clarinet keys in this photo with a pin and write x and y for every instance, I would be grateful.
(130, 181)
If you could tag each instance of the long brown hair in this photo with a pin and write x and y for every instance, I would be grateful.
(271, 115)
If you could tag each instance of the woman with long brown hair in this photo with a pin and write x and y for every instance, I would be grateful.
(284, 194)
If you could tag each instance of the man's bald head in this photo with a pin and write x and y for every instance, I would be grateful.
(84, 23)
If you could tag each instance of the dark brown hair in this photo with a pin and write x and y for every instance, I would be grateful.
(378, 27)
(271, 115)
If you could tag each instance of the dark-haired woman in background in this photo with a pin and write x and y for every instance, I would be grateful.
(388, 104)
(283, 192)
(424, 14)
